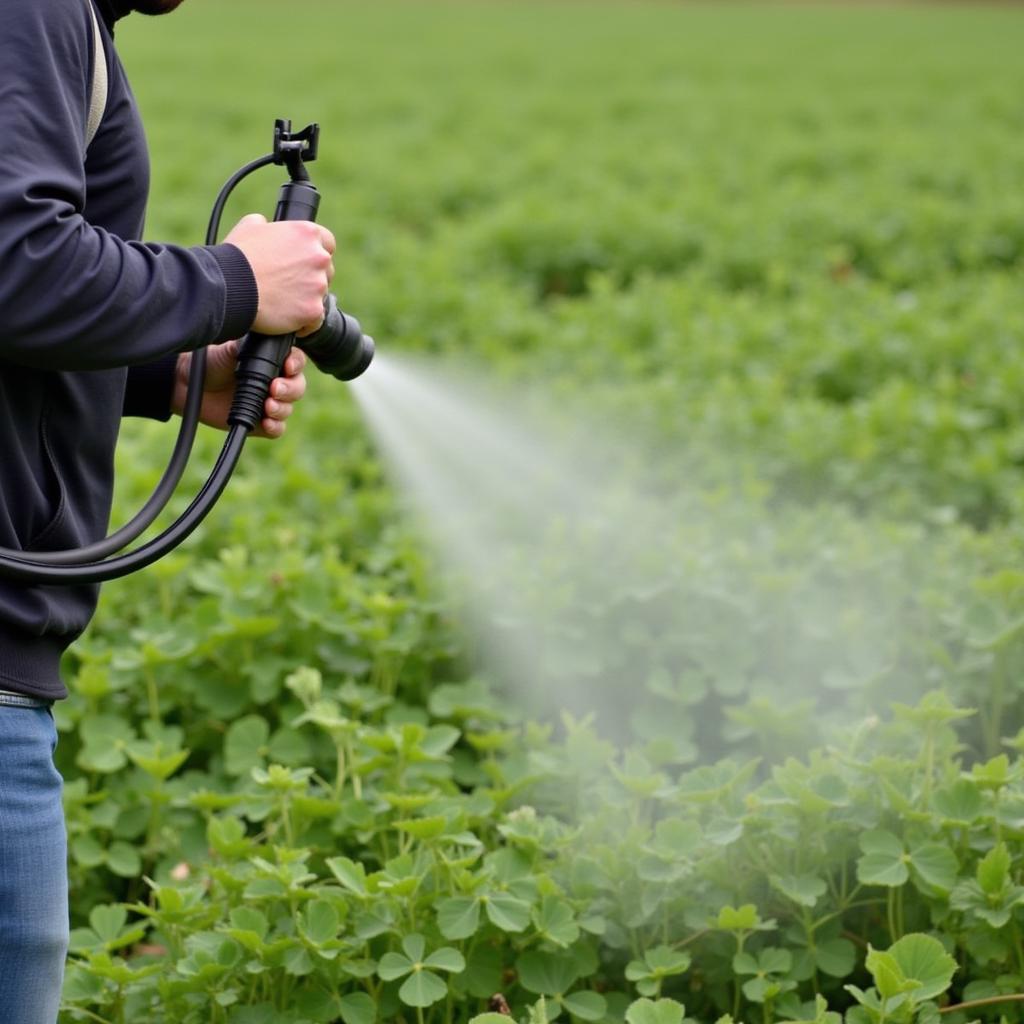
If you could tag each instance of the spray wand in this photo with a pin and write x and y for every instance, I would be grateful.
(338, 348)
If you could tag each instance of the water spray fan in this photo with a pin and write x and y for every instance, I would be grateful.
(338, 348)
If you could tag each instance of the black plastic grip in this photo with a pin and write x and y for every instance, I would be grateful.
(260, 361)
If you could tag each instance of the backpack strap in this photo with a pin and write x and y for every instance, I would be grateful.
(98, 91)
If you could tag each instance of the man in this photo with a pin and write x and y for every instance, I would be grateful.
(95, 325)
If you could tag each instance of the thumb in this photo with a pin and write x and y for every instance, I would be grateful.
(222, 358)
(230, 349)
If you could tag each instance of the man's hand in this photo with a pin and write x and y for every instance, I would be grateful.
(219, 389)
(292, 263)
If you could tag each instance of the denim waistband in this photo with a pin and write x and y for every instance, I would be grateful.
(21, 700)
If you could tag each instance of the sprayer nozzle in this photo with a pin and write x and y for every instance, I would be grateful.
(339, 347)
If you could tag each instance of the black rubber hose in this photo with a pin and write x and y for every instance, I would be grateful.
(27, 570)
(163, 491)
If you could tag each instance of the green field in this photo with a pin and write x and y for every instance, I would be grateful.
(781, 246)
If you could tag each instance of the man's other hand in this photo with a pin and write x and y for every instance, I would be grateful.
(219, 389)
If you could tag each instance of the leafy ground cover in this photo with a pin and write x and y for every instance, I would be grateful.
(783, 246)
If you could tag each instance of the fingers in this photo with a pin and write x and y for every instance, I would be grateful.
(295, 364)
(274, 415)
(288, 391)
(276, 409)
(270, 429)
(284, 393)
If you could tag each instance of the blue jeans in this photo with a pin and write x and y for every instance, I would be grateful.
(33, 866)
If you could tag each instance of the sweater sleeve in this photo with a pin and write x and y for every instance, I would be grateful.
(149, 389)
(74, 296)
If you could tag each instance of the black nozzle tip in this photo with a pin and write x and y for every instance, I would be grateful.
(367, 350)
(339, 347)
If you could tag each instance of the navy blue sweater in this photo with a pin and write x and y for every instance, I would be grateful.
(92, 319)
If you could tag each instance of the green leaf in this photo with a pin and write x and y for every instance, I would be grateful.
(394, 965)
(760, 989)
(315, 1004)
(124, 860)
(458, 917)
(506, 912)
(415, 946)
(742, 919)
(805, 890)
(744, 963)
(87, 851)
(836, 957)
(960, 802)
(155, 759)
(358, 1008)
(993, 909)
(936, 865)
(547, 974)
(774, 960)
(248, 919)
(297, 962)
(351, 875)
(321, 922)
(482, 977)
(438, 740)
(422, 988)
(555, 921)
(423, 828)
(107, 921)
(105, 730)
(924, 959)
(820, 1013)
(993, 870)
(993, 774)
(227, 837)
(102, 759)
(663, 961)
(887, 974)
(245, 744)
(649, 1011)
(289, 746)
(446, 959)
(80, 986)
(934, 708)
(585, 1005)
(884, 861)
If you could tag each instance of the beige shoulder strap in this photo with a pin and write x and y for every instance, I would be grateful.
(98, 92)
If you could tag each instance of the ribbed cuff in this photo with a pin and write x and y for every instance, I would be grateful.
(242, 297)
(150, 388)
